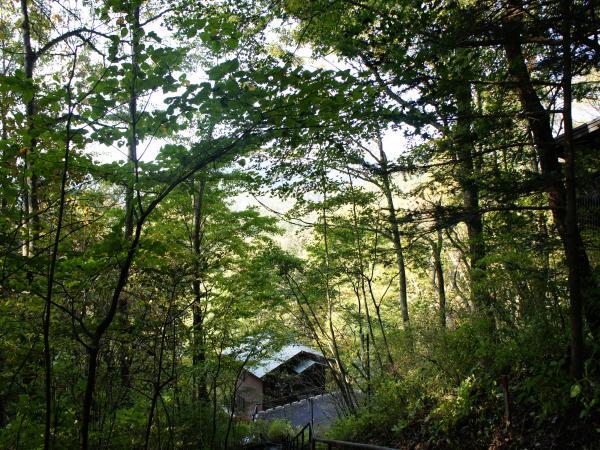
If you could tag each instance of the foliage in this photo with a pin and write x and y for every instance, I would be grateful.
(380, 179)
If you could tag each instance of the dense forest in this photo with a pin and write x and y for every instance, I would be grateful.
(404, 185)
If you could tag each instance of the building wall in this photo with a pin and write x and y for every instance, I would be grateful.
(250, 392)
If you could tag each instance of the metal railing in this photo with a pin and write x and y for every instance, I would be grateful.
(331, 444)
(299, 442)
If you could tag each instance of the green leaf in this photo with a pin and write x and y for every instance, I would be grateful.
(223, 69)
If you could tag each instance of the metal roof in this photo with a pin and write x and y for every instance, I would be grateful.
(263, 366)
(582, 133)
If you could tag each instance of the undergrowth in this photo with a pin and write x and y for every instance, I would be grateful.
(447, 394)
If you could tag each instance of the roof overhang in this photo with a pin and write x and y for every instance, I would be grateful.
(585, 134)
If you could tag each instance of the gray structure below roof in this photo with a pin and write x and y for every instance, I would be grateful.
(304, 364)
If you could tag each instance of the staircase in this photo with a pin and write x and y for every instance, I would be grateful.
(306, 440)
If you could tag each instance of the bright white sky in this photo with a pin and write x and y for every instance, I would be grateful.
(394, 141)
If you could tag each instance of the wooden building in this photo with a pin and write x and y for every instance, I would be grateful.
(293, 373)
(586, 139)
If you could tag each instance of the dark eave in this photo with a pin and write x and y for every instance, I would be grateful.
(583, 134)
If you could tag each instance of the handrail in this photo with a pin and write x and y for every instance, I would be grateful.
(298, 442)
(346, 444)
(299, 438)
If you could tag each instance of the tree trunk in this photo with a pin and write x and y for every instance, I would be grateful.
(396, 236)
(32, 219)
(9, 161)
(547, 150)
(159, 384)
(316, 330)
(2, 392)
(346, 391)
(360, 287)
(199, 354)
(52, 269)
(30, 200)
(88, 395)
(370, 323)
(377, 307)
(94, 347)
(4, 290)
(125, 350)
(133, 119)
(467, 179)
(571, 228)
(436, 248)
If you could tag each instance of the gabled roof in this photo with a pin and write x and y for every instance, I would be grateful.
(270, 363)
(583, 133)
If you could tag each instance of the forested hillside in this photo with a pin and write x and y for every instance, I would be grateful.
(412, 188)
